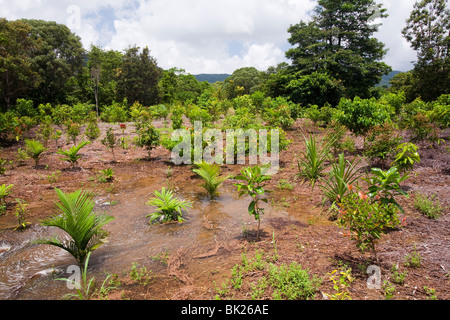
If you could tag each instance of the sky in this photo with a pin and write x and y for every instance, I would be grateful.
(202, 36)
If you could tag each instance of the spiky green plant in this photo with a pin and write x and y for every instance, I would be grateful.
(342, 175)
(76, 217)
(34, 149)
(169, 207)
(210, 173)
(72, 155)
(312, 163)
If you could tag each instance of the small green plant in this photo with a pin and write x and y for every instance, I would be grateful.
(46, 129)
(3, 164)
(35, 149)
(385, 185)
(253, 183)
(56, 135)
(169, 207)
(86, 288)
(162, 257)
(312, 163)
(429, 206)
(5, 191)
(53, 178)
(20, 213)
(148, 137)
(397, 277)
(106, 175)
(407, 156)
(413, 260)
(140, 274)
(237, 277)
(73, 131)
(210, 173)
(341, 279)
(92, 130)
(389, 290)
(72, 155)
(430, 292)
(258, 289)
(110, 141)
(284, 184)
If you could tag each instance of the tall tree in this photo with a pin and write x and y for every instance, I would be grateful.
(339, 42)
(58, 57)
(428, 31)
(95, 71)
(139, 76)
(243, 81)
(16, 73)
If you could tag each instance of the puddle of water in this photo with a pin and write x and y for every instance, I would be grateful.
(131, 238)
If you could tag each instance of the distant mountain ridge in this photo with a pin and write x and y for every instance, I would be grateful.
(385, 79)
(216, 77)
(211, 78)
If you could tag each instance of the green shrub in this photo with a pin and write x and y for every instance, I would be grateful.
(279, 117)
(148, 137)
(422, 129)
(115, 113)
(366, 220)
(385, 185)
(360, 115)
(26, 108)
(92, 130)
(407, 156)
(380, 143)
(110, 141)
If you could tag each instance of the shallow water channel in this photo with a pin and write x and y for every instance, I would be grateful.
(28, 271)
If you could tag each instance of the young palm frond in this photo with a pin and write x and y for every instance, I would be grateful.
(169, 207)
(35, 149)
(312, 164)
(210, 173)
(72, 155)
(77, 219)
(5, 191)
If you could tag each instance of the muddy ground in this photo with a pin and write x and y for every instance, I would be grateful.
(304, 234)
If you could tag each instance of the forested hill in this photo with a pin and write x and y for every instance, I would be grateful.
(211, 78)
(385, 79)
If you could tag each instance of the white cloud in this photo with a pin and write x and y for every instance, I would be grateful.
(202, 36)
